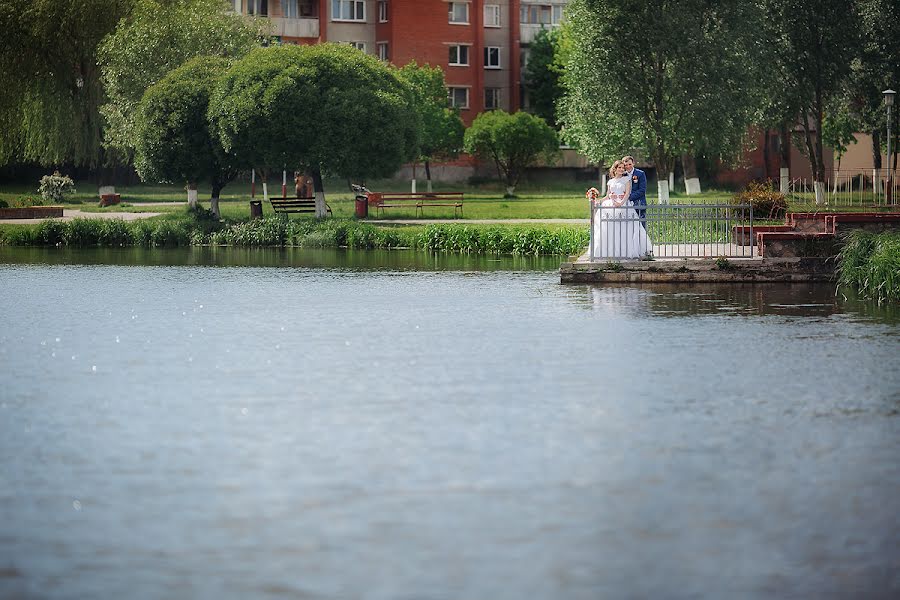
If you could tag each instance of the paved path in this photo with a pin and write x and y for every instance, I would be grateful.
(479, 221)
(69, 214)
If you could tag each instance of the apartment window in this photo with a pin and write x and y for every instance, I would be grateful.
(459, 56)
(309, 9)
(358, 45)
(540, 14)
(290, 9)
(492, 15)
(258, 7)
(382, 11)
(348, 10)
(236, 5)
(492, 57)
(491, 98)
(383, 51)
(459, 12)
(458, 97)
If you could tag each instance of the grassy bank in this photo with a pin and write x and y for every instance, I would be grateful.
(195, 229)
(870, 265)
(563, 200)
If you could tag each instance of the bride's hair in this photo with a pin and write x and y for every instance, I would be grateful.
(612, 169)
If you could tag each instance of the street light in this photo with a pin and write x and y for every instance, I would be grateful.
(889, 102)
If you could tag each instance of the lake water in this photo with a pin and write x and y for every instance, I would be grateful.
(335, 425)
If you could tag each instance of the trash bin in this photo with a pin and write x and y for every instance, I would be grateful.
(362, 207)
(256, 209)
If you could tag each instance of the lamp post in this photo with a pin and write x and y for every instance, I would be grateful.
(889, 102)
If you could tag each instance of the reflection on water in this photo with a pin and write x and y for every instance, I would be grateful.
(395, 260)
(668, 299)
(275, 431)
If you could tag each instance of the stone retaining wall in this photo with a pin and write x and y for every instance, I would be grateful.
(32, 212)
(782, 270)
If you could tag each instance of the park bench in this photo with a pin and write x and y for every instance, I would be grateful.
(293, 204)
(418, 201)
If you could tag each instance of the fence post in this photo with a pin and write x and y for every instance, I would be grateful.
(591, 238)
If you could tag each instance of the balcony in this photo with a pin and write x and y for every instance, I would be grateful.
(294, 28)
(528, 31)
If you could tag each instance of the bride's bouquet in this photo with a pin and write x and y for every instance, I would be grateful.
(593, 194)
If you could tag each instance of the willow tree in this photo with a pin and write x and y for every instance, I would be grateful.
(690, 87)
(51, 91)
(156, 38)
(172, 138)
(326, 108)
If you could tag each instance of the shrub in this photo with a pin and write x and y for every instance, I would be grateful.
(50, 232)
(25, 201)
(870, 263)
(82, 232)
(114, 232)
(54, 188)
(765, 201)
(169, 233)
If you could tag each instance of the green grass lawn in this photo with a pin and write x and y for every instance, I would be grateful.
(483, 201)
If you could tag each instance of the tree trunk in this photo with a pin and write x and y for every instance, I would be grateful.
(428, 174)
(511, 176)
(876, 160)
(192, 193)
(664, 164)
(784, 170)
(820, 177)
(813, 161)
(319, 191)
(834, 184)
(691, 181)
(214, 196)
(662, 187)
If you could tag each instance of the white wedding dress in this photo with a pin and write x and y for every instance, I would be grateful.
(617, 230)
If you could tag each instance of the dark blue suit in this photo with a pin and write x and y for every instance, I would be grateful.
(638, 196)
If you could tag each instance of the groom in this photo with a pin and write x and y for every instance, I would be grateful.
(638, 195)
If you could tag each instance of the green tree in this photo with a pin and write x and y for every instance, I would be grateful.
(815, 52)
(691, 87)
(543, 74)
(157, 37)
(442, 130)
(876, 69)
(326, 107)
(838, 126)
(513, 141)
(51, 92)
(173, 141)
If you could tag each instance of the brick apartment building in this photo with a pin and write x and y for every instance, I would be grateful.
(481, 45)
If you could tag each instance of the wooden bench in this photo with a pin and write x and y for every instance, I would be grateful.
(293, 204)
(418, 201)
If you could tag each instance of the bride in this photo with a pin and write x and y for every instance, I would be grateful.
(617, 227)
